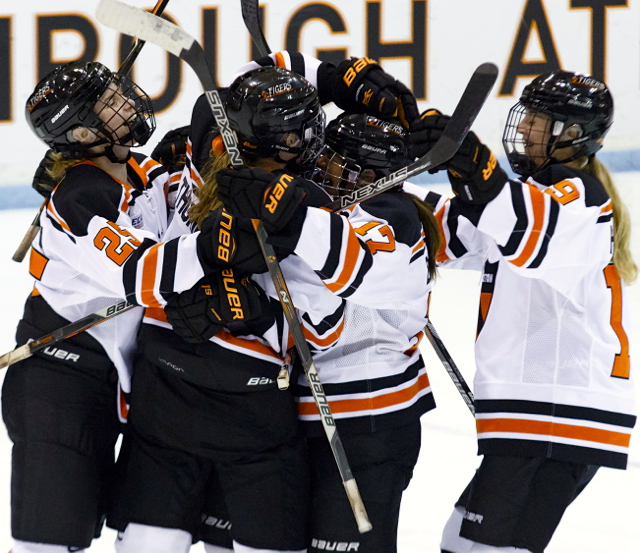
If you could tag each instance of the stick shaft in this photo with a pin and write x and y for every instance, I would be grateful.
(67, 331)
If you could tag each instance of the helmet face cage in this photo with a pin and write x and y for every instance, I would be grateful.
(335, 173)
(89, 95)
(360, 148)
(276, 112)
(125, 114)
(569, 101)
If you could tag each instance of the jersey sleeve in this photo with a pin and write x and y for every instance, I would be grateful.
(375, 257)
(557, 224)
(299, 63)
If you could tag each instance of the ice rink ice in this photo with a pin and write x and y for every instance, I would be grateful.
(604, 519)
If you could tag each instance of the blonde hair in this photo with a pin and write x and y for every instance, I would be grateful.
(207, 194)
(60, 165)
(622, 258)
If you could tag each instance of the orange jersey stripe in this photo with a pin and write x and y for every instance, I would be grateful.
(537, 202)
(156, 313)
(253, 345)
(350, 260)
(52, 211)
(149, 268)
(370, 403)
(547, 428)
(37, 264)
(441, 255)
(327, 340)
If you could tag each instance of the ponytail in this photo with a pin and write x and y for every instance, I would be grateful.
(431, 232)
(622, 258)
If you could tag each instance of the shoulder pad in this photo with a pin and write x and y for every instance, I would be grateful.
(594, 191)
(85, 192)
(398, 209)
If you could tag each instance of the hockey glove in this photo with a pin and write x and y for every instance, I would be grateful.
(227, 241)
(42, 182)
(425, 132)
(361, 85)
(474, 172)
(218, 300)
(257, 194)
(171, 151)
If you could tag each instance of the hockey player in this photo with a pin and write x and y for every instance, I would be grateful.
(97, 246)
(374, 376)
(60, 406)
(553, 387)
(233, 435)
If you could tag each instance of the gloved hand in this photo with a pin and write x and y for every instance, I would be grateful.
(474, 172)
(171, 151)
(218, 300)
(257, 194)
(42, 182)
(361, 85)
(425, 132)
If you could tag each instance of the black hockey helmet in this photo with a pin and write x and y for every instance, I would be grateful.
(570, 100)
(274, 111)
(79, 94)
(359, 148)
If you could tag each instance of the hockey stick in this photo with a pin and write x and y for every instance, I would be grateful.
(28, 349)
(135, 22)
(128, 62)
(251, 17)
(454, 133)
(450, 366)
(125, 69)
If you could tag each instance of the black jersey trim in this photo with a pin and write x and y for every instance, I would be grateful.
(87, 192)
(366, 264)
(130, 270)
(398, 209)
(552, 450)
(555, 410)
(522, 222)
(328, 323)
(336, 228)
(551, 228)
(367, 386)
(169, 263)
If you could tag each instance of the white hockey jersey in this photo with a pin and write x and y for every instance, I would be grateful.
(553, 369)
(373, 375)
(91, 225)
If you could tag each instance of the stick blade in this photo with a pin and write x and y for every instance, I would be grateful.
(463, 116)
(137, 23)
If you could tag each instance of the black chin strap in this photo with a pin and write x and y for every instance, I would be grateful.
(111, 156)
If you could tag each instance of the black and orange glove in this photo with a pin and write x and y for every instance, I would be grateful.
(228, 241)
(425, 132)
(258, 194)
(360, 85)
(171, 151)
(474, 172)
(219, 300)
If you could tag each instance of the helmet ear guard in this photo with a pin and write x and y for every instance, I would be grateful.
(570, 101)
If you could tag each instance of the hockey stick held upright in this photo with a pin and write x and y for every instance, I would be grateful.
(132, 21)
